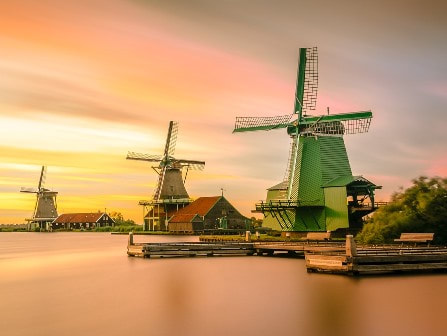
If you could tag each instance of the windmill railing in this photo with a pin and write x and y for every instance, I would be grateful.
(166, 201)
(285, 204)
(369, 205)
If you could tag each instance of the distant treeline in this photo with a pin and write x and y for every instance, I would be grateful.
(12, 227)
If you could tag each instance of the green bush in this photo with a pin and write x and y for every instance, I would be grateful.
(420, 208)
(120, 228)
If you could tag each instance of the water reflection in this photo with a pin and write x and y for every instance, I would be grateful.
(83, 283)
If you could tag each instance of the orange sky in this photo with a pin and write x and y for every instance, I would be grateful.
(83, 82)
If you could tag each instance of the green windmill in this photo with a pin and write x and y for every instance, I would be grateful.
(319, 192)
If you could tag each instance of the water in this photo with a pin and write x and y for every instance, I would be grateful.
(84, 284)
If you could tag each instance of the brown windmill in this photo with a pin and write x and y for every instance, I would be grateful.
(45, 209)
(170, 193)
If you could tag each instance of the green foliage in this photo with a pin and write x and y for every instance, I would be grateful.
(119, 219)
(104, 229)
(255, 222)
(120, 228)
(420, 208)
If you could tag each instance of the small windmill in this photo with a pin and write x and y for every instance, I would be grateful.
(170, 193)
(319, 192)
(45, 209)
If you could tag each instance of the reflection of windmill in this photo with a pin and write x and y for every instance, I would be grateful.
(170, 193)
(45, 210)
(319, 192)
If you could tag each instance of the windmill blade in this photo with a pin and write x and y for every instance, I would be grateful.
(310, 89)
(337, 124)
(143, 157)
(29, 190)
(161, 178)
(290, 162)
(171, 139)
(191, 164)
(195, 166)
(36, 205)
(249, 124)
(43, 175)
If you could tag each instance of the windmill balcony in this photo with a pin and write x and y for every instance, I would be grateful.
(282, 204)
(365, 206)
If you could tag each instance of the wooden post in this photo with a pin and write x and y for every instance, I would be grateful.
(248, 236)
(130, 239)
(351, 247)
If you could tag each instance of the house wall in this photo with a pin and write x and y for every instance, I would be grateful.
(223, 208)
(186, 227)
(156, 217)
(103, 221)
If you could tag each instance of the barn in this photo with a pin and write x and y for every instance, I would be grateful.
(207, 213)
(86, 221)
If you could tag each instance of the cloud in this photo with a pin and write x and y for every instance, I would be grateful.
(81, 85)
(438, 89)
(438, 167)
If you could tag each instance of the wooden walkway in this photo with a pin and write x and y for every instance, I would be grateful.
(378, 260)
(228, 248)
(325, 257)
(296, 248)
(147, 250)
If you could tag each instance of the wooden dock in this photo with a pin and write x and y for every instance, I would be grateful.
(296, 248)
(148, 250)
(378, 260)
(229, 248)
(325, 257)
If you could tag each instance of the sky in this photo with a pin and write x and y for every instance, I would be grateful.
(83, 82)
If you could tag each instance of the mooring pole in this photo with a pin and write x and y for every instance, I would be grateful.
(351, 247)
(130, 242)
(248, 236)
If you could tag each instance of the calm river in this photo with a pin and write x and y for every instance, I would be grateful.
(84, 284)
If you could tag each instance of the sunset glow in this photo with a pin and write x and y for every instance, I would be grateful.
(82, 83)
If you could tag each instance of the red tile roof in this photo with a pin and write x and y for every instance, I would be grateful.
(187, 218)
(92, 217)
(200, 206)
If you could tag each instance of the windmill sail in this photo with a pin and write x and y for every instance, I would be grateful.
(172, 138)
(161, 177)
(333, 124)
(247, 124)
(42, 177)
(310, 84)
(143, 157)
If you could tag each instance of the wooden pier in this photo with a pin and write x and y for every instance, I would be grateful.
(228, 248)
(378, 260)
(325, 257)
(148, 250)
(296, 248)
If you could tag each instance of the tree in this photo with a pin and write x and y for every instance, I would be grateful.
(119, 219)
(256, 222)
(420, 208)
